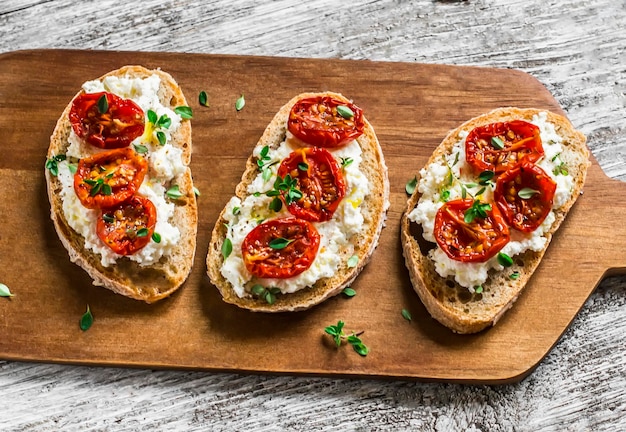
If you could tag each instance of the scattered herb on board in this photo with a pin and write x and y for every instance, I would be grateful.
(203, 99)
(410, 186)
(5, 291)
(240, 103)
(349, 292)
(86, 320)
(406, 315)
(338, 335)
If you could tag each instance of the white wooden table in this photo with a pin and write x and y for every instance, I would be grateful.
(576, 48)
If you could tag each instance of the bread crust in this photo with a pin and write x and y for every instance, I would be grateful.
(375, 206)
(146, 283)
(453, 305)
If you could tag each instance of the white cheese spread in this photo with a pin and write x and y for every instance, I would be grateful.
(433, 180)
(335, 234)
(164, 163)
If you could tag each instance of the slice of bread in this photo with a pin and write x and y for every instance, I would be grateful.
(374, 208)
(150, 282)
(453, 305)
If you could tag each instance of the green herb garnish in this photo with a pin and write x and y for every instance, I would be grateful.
(196, 191)
(227, 248)
(140, 148)
(346, 161)
(174, 192)
(156, 237)
(184, 111)
(5, 291)
(336, 331)
(477, 209)
(99, 186)
(264, 162)
(288, 186)
(411, 185)
(203, 99)
(560, 168)
(406, 315)
(349, 292)
(103, 104)
(268, 294)
(86, 320)
(504, 260)
(52, 164)
(478, 289)
(514, 275)
(276, 204)
(240, 103)
(497, 143)
(485, 177)
(527, 193)
(161, 137)
(302, 166)
(353, 261)
(345, 112)
(280, 243)
(108, 218)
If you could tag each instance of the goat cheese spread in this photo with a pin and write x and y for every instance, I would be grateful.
(164, 163)
(432, 179)
(335, 234)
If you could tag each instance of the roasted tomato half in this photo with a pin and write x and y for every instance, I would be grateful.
(500, 146)
(320, 180)
(324, 121)
(106, 120)
(280, 248)
(127, 227)
(109, 178)
(524, 195)
(470, 231)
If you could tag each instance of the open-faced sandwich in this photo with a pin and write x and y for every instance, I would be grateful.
(484, 211)
(308, 212)
(119, 184)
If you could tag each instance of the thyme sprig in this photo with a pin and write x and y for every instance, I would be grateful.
(339, 336)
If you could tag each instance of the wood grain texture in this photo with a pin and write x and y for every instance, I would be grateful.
(575, 48)
(174, 333)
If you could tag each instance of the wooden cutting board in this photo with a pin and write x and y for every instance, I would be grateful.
(411, 106)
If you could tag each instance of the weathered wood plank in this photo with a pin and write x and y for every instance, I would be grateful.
(576, 48)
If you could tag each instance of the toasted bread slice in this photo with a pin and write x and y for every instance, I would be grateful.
(458, 307)
(142, 282)
(364, 242)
